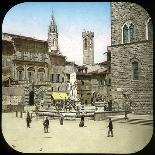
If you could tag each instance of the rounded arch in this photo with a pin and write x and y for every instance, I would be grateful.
(31, 69)
(41, 70)
(20, 68)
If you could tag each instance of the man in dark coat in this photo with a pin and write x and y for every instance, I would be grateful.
(110, 126)
(28, 120)
(61, 119)
(46, 125)
(81, 124)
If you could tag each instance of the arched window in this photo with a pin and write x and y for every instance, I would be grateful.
(54, 42)
(128, 33)
(58, 88)
(135, 70)
(150, 30)
(125, 34)
(20, 73)
(85, 43)
(41, 74)
(131, 32)
(20, 55)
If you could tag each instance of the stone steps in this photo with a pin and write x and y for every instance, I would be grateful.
(133, 121)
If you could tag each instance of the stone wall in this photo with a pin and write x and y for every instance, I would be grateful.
(122, 55)
(121, 74)
(126, 11)
(84, 89)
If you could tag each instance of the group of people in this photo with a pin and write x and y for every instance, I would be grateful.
(45, 122)
(81, 124)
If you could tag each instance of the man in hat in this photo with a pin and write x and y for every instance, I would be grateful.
(110, 126)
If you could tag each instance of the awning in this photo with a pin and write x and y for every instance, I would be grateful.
(59, 96)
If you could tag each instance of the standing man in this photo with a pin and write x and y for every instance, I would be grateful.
(81, 124)
(110, 126)
(61, 119)
(28, 120)
(46, 125)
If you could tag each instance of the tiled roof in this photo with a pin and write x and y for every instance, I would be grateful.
(22, 37)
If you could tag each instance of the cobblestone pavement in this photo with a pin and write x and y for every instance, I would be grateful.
(69, 138)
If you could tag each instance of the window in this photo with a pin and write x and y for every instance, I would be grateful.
(40, 76)
(62, 79)
(125, 34)
(20, 75)
(21, 55)
(31, 56)
(82, 82)
(52, 89)
(51, 77)
(135, 70)
(109, 81)
(68, 77)
(131, 32)
(150, 30)
(58, 88)
(29, 76)
(85, 101)
(85, 43)
(128, 33)
(54, 42)
(58, 78)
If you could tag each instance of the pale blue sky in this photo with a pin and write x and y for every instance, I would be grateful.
(32, 19)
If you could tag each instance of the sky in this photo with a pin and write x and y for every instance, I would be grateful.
(32, 19)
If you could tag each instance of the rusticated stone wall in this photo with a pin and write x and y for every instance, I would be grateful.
(128, 12)
(122, 55)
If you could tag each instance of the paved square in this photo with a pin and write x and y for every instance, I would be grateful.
(70, 138)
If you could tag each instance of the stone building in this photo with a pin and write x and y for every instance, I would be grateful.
(84, 85)
(38, 65)
(92, 79)
(99, 85)
(131, 57)
(88, 47)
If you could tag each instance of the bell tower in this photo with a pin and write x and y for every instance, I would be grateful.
(53, 36)
(88, 47)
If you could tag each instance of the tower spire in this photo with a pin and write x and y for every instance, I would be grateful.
(53, 19)
(53, 35)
